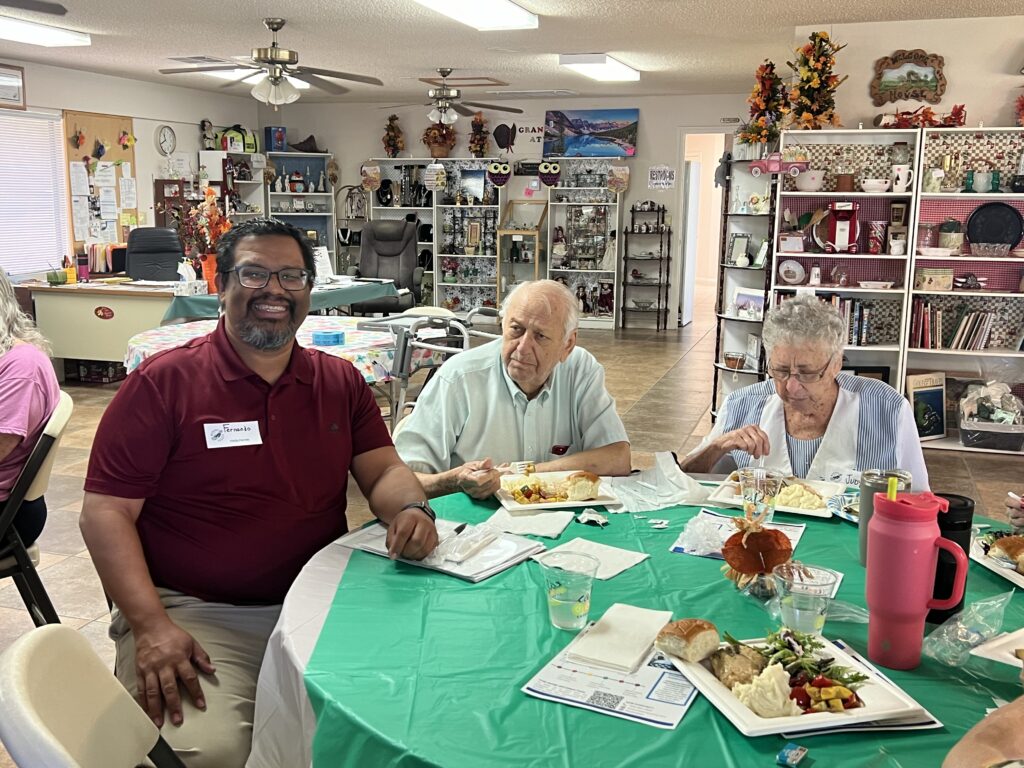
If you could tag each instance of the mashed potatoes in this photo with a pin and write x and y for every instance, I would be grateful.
(799, 497)
(767, 695)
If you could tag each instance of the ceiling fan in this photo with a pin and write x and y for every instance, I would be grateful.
(36, 6)
(447, 104)
(274, 68)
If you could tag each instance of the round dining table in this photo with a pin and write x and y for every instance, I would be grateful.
(377, 663)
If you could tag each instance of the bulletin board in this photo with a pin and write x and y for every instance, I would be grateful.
(102, 192)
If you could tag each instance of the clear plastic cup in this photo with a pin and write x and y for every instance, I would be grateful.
(759, 487)
(805, 593)
(568, 580)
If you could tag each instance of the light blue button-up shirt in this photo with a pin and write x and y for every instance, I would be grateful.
(471, 409)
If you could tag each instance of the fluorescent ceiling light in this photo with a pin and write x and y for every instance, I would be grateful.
(485, 15)
(21, 31)
(598, 66)
(230, 74)
(302, 85)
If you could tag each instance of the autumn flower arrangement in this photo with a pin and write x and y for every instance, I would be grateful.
(478, 141)
(201, 228)
(768, 105)
(440, 138)
(393, 139)
(813, 98)
(924, 117)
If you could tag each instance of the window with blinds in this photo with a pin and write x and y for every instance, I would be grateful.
(33, 192)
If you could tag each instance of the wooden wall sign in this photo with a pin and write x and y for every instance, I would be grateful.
(915, 75)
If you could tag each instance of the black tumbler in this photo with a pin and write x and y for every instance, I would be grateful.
(954, 525)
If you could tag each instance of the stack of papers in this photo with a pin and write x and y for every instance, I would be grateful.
(504, 552)
(621, 639)
(613, 560)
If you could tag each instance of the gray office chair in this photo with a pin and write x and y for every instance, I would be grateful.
(153, 254)
(388, 249)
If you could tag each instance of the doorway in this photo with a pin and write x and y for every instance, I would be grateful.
(703, 217)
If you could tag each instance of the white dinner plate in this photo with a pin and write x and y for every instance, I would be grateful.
(604, 498)
(882, 699)
(727, 494)
(978, 555)
(1001, 648)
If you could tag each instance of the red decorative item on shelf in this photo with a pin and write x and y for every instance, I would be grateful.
(924, 117)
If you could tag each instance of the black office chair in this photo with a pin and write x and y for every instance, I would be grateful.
(17, 561)
(153, 254)
(388, 249)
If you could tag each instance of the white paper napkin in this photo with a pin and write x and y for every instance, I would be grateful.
(613, 560)
(548, 524)
(621, 639)
(664, 485)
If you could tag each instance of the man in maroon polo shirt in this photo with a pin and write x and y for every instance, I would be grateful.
(218, 470)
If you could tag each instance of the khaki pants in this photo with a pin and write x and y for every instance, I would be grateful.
(235, 637)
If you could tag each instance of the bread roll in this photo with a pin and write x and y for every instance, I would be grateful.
(583, 486)
(689, 639)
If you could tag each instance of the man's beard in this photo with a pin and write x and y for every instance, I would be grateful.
(268, 335)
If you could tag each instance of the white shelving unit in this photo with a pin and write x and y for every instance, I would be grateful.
(589, 216)
(310, 211)
(867, 152)
(962, 149)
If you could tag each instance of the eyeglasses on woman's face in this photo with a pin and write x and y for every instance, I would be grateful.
(804, 377)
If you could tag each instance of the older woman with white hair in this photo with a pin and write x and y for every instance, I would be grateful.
(28, 395)
(809, 420)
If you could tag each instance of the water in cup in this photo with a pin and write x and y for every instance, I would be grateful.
(759, 487)
(568, 580)
(805, 592)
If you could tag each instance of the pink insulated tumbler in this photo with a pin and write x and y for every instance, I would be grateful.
(903, 549)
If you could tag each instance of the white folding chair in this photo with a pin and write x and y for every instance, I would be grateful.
(60, 707)
(21, 563)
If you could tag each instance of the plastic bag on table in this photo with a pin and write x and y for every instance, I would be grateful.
(702, 536)
(952, 641)
(457, 548)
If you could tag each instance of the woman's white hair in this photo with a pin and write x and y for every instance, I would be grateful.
(15, 325)
(805, 319)
(553, 293)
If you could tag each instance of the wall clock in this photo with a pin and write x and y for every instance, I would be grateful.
(166, 141)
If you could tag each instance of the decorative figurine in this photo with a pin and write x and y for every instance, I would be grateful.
(208, 135)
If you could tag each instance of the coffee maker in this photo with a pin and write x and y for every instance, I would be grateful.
(843, 228)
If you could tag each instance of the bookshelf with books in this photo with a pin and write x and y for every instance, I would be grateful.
(841, 232)
(966, 317)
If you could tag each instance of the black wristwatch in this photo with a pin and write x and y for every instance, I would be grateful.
(421, 505)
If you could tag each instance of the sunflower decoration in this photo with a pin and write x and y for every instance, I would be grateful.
(768, 105)
(813, 98)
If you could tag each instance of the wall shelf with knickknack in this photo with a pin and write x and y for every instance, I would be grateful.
(843, 232)
(583, 249)
(743, 277)
(647, 258)
(966, 314)
(520, 245)
(301, 194)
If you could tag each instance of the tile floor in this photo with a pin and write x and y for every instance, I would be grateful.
(662, 386)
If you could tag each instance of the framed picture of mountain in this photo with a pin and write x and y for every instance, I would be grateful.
(591, 132)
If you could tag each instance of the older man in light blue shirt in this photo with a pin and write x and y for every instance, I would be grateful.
(532, 395)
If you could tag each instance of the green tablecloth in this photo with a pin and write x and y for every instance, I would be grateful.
(414, 668)
(196, 307)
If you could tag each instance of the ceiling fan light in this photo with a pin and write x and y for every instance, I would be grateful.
(598, 66)
(449, 116)
(434, 116)
(484, 15)
(282, 92)
(22, 31)
(261, 91)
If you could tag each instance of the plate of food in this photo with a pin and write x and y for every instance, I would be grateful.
(798, 497)
(1001, 552)
(846, 506)
(1007, 648)
(788, 682)
(536, 491)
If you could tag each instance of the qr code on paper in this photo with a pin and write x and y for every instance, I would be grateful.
(605, 700)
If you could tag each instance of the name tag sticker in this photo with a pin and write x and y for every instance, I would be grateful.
(233, 433)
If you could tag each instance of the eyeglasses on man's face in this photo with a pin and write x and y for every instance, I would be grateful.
(804, 377)
(290, 278)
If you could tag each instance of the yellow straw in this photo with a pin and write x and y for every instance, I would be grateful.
(894, 484)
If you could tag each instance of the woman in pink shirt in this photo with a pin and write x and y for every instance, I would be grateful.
(28, 395)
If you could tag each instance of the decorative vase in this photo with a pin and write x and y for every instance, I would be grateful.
(439, 150)
(210, 272)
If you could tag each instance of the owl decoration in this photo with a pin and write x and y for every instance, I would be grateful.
(549, 173)
(499, 173)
